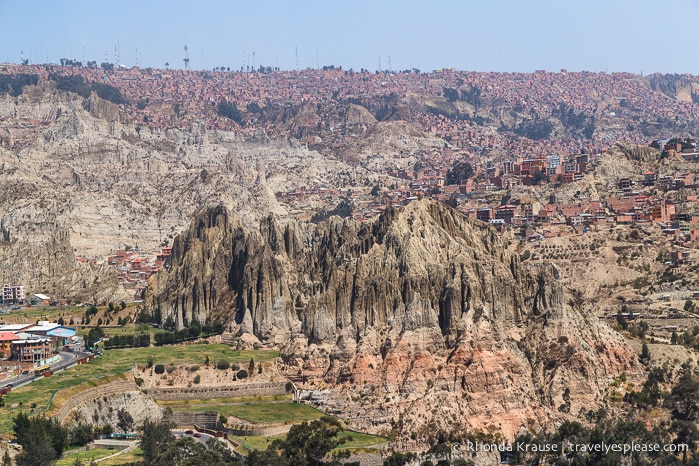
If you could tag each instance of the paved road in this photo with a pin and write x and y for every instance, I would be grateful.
(203, 438)
(67, 358)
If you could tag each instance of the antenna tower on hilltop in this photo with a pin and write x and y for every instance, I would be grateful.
(186, 56)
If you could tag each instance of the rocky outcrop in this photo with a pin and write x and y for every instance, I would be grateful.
(421, 318)
(105, 410)
(358, 115)
(80, 180)
(39, 252)
(634, 153)
(103, 109)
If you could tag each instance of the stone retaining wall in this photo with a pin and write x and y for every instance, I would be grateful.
(114, 388)
(261, 431)
(190, 418)
(225, 391)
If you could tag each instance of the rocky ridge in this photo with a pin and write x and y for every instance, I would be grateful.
(83, 181)
(421, 319)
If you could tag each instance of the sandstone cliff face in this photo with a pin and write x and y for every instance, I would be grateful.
(421, 318)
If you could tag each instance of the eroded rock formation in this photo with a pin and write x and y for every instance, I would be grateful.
(422, 318)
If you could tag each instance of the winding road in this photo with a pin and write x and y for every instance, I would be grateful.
(68, 358)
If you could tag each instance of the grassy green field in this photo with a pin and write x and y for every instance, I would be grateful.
(132, 456)
(358, 441)
(51, 313)
(127, 330)
(31, 314)
(186, 405)
(262, 412)
(85, 456)
(118, 361)
(256, 442)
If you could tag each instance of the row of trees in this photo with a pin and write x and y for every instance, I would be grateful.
(577, 122)
(459, 173)
(122, 341)
(44, 440)
(13, 84)
(306, 444)
(192, 331)
(343, 209)
(230, 111)
(90, 64)
(471, 95)
(538, 128)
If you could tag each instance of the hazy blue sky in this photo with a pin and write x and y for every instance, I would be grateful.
(486, 35)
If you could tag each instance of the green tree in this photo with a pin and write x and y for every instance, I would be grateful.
(535, 129)
(222, 365)
(194, 329)
(37, 449)
(684, 398)
(107, 430)
(253, 107)
(93, 336)
(42, 439)
(20, 426)
(621, 320)
(685, 433)
(125, 421)
(230, 111)
(312, 441)
(538, 176)
(82, 434)
(451, 94)
(343, 209)
(459, 173)
(155, 438)
(645, 353)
